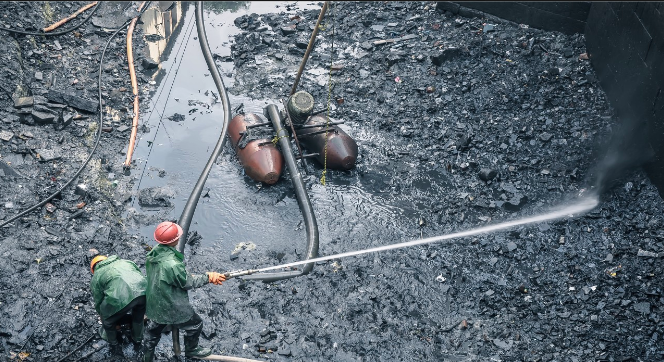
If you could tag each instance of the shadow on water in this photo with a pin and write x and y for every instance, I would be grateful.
(181, 120)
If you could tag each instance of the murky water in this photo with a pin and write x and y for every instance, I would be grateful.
(234, 208)
(360, 205)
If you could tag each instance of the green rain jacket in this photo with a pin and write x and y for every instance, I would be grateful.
(168, 285)
(115, 283)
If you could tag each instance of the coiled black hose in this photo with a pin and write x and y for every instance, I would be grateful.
(63, 32)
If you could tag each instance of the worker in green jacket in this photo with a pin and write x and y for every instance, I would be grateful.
(167, 293)
(118, 288)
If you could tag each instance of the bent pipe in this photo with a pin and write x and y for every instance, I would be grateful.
(190, 206)
(272, 112)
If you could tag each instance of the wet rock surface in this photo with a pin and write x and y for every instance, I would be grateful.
(460, 127)
(49, 121)
(509, 122)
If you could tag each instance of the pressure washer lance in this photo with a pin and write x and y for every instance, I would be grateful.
(583, 205)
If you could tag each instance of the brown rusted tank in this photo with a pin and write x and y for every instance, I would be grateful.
(260, 158)
(341, 148)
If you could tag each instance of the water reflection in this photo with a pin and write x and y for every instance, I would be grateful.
(162, 23)
(222, 6)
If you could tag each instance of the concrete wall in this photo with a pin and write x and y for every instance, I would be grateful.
(625, 42)
(565, 17)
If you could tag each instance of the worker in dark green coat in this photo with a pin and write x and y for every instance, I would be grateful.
(118, 288)
(167, 293)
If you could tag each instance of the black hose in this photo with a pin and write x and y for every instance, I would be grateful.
(190, 206)
(79, 347)
(94, 148)
(272, 112)
(55, 33)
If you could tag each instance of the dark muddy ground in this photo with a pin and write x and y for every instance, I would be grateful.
(460, 123)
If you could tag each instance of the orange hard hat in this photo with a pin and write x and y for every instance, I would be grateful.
(96, 260)
(167, 232)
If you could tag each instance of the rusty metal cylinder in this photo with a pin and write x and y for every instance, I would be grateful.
(341, 148)
(260, 158)
(300, 105)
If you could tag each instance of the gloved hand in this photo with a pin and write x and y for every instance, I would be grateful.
(216, 278)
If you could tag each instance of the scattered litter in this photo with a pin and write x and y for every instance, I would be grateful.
(612, 272)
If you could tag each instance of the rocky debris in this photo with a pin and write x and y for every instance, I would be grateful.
(505, 100)
(43, 117)
(647, 254)
(72, 100)
(23, 102)
(525, 295)
(155, 197)
(6, 135)
(288, 30)
(446, 55)
(487, 174)
(177, 117)
(49, 78)
(47, 155)
(149, 63)
(516, 203)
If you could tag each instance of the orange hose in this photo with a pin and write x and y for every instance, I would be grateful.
(134, 87)
(72, 16)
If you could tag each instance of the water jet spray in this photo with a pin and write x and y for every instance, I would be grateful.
(586, 202)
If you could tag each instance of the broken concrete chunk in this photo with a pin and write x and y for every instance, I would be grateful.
(487, 174)
(546, 136)
(72, 100)
(445, 55)
(149, 63)
(643, 307)
(302, 43)
(11, 118)
(6, 135)
(647, 254)
(23, 102)
(48, 155)
(43, 117)
(516, 203)
(288, 30)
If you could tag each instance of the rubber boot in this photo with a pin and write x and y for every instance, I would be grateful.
(111, 338)
(148, 355)
(137, 332)
(192, 349)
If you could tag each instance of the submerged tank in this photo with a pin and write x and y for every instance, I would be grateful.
(341, 148)
(260, 158)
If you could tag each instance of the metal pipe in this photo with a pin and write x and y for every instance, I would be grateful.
(320, 125)
(297, 142)
(578, 208)
(272, 112)
(312, 40)
(190, 207)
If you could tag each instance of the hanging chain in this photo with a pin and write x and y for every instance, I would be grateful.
(329, 96)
